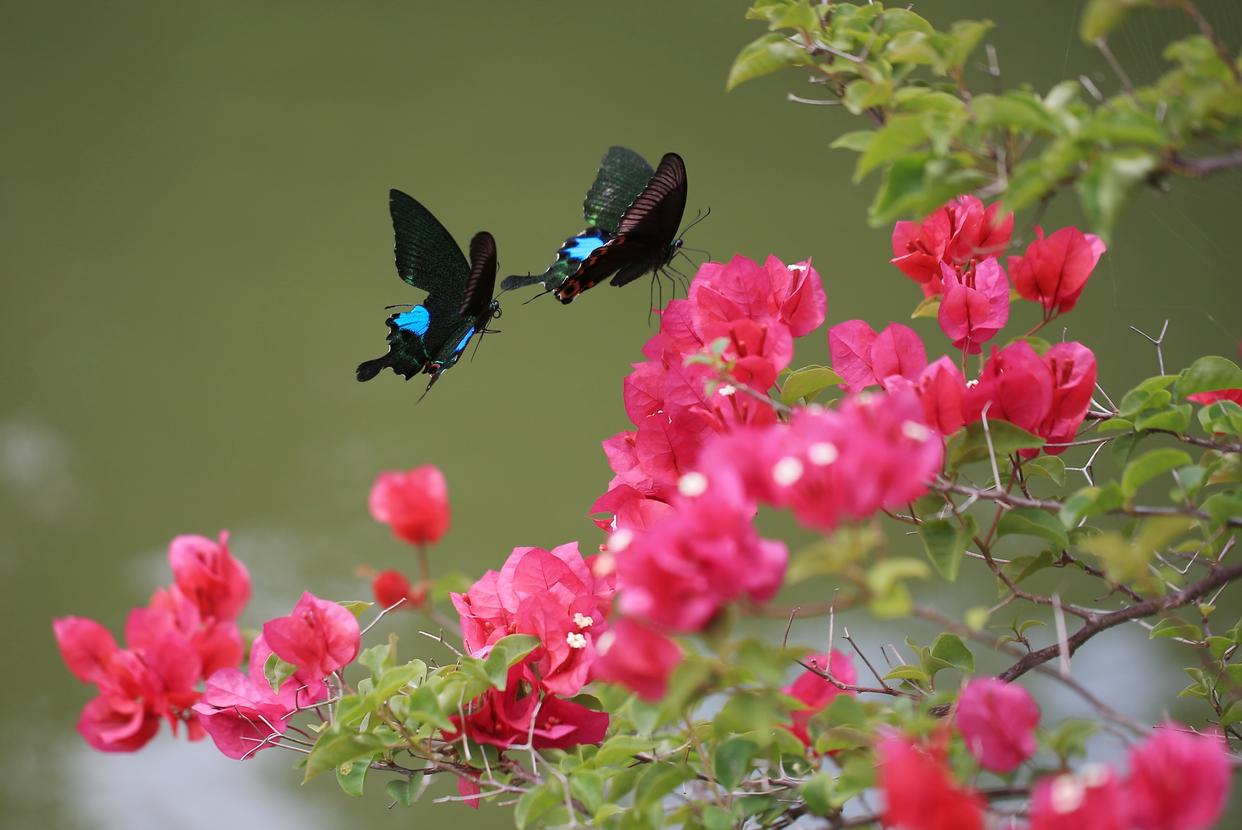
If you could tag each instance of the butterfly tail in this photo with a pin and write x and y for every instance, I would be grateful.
(371, 368)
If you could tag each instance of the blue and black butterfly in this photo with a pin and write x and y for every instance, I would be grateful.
(430, 337)
(632, 214)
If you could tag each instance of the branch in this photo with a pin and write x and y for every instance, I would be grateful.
(1104, 622)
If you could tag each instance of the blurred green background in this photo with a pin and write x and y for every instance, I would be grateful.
(196, 253)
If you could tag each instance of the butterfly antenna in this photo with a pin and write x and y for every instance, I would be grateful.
(697, 219)
(542, 293)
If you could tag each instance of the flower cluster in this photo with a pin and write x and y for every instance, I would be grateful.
(241, 710)
(557, 597)
(187, 632)
(1178, 780)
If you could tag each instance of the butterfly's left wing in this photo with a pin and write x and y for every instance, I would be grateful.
(650, 224)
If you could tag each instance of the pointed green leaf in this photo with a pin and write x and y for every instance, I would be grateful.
(1030, 521)
(768, 54)
(1149, 465)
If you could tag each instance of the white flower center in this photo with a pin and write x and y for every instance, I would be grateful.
(1093, 775)
(970, 384)
(603, 564)
(1067, 794)
(692, 484)
(727, 390)
(915, 431)
(604, 643)
(583, 621)
(822, 453)
(787, 471)
(620, 539)
(575, 640)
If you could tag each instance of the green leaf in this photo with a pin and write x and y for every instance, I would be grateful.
(657, 781)
(1102, 16)
(911, 673)
(962, 39)
(1224, 417)
(620, 748)
(1149, 465)
(356, 607)
(1209, 374)
(588, 787)
(537, 802)
(1176, 627)
(1173, 418)
(1091, 501)
(507, 652)
(1224, 507)
(928, 307)
(807, 382)
(900, 135)
(951, 649)
(858, 141)
(424, 708)
(817, 793)
(402, 791)
(732, 761)
(1069, 739)
(1107, 184)
(277, 671)
(377, 659)
(886, 580)
(971, 443)
(1017, 110)
(335, 748)
(351, 777)
(945, 544)
(766, 55)
(1050, 466)
(1030, 521)
(862, 95)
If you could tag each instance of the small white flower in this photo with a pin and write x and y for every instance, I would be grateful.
(692, 484)
(1093, 775)
(727, 389)
(915, 431)
(822, 453)
(575, 640)
(620, 539)
(604, 564)
(787, 471)
(1067, 794)
(583, 621)
(973, 382)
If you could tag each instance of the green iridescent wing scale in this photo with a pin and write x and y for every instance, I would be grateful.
(621, 177)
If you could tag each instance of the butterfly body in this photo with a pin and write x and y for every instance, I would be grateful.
(430, 337)
(633, 213)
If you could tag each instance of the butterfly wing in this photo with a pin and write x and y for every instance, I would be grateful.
(622, 175)
(569, 258)
(426, 255)
(481, 282)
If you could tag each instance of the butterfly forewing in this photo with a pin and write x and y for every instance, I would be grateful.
(426, 255)
(621, 177)
(482, 279)
(656, 212)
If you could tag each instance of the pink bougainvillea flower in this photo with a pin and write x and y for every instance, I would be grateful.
(1018, 385)
(85, 646)
(959, 233)
(414, 504)
(553, 595)
(741, 288)
(864, 358)
(919, 790)
(1207, 398)
(684, 568)
(1091, 799)
(975, 305)
(816, 692)
(121, 718)
(1179, 780)
(1055, 269)
(209, 576)
(319, 637)
(637, 657)
(241, 714)
(997, 721)
(920, 247)
(1073, 370)
(217, 642)
(941, 388)
(391, 587)
(503, 719)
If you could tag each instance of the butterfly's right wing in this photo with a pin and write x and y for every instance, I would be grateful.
(481, 282)
(622, 175)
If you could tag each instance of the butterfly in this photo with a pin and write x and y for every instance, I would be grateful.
(430, 337)
(632, 215)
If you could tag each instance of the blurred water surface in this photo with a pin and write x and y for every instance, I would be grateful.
(195, 252)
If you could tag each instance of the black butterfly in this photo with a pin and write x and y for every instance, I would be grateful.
(431, 337)
(632, 215)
